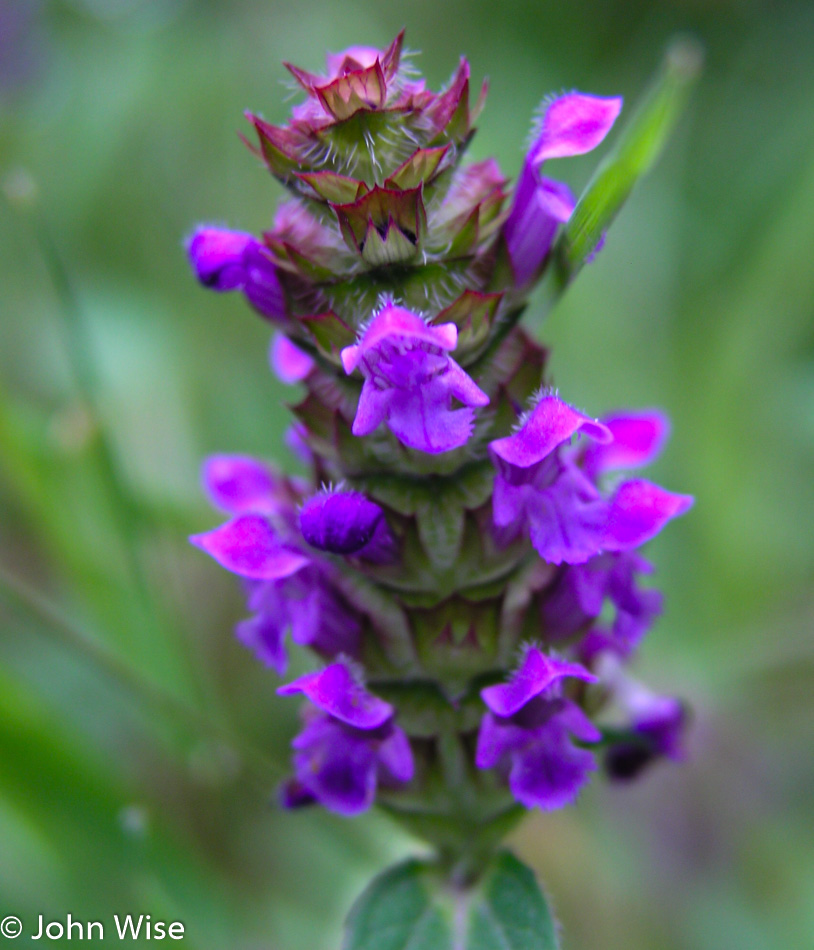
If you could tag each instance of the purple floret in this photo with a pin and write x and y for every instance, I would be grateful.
(527, 733)
(349, 744)
(410, 382)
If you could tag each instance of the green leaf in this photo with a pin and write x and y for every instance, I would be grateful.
(635, 153)
(399, 910)
(508, 910)
(417, 906)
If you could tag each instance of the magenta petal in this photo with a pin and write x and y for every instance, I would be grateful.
(639, 511)
(577, 723)
(537, 673)
(394, 324)
(498, 738)
(549, 424)
(421, 419)
(638, 437)
(372, 410)
(246, 545)
(574, 124)
(335, 691)
(239, 483)
(567, 519)
(463, 387)
(288, 361)
(216, 255)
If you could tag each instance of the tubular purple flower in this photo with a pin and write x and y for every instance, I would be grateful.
(232, 260)
(350, 744)
(571, 125)
(306, 603)
(576, 599)
(527, 733)
(410, 382)
(288, 361)
(540, 487)
(656, 724)
(262, 286)
(216, 255)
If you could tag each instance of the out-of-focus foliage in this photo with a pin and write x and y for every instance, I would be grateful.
(139, 743)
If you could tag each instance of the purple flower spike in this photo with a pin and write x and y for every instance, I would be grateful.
(337, 692)
(639, 511)
(238, 484)
(410, 382)
(340, 522)
(537, 675)
(528, 730)
(246, 545)
(216, 255)
(571, 125)
(288, 361)
(535, 485)
(638, 438)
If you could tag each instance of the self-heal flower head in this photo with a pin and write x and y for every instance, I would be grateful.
(349, 744)
(528, 729)
(410, 382)
(570, 125)
(431, 538)
(538, 486)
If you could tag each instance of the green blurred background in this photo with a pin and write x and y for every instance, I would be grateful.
(139, 743)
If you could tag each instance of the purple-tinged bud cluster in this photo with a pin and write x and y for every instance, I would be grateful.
(474, 584)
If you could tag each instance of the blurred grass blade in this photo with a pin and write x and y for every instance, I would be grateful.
(635, 153)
